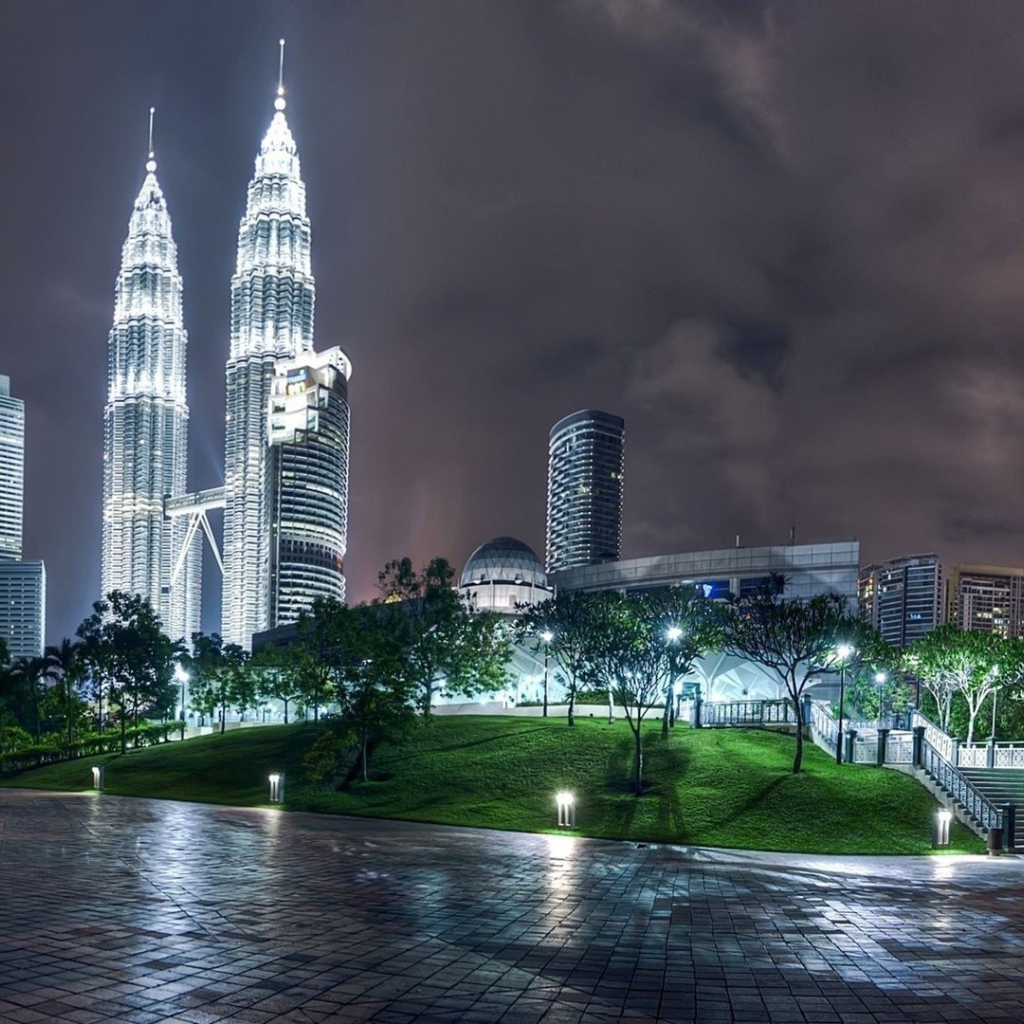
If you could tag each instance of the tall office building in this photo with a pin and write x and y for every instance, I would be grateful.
(22, 607)
(12, 471)
(987, 598)
(145, 423)
(307, 479)
(272, 297)
(902, 598)
(585, 464)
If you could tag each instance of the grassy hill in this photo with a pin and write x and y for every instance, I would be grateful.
(709, 787)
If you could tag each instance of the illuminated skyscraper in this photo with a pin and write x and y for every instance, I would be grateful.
(12, 471)
(307, 477)
(584, 490)
(145, 422)
(272, 296)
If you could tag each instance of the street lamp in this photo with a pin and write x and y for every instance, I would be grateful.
(182, 676)
(547, 636)
(673, 633)
(995, 693)
(843, 651)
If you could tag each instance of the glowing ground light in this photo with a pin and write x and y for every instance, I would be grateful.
(566, 809)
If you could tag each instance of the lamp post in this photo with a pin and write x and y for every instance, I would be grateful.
(547, 636)
(182, 676)
(843, 652)
(880, 680)
(995, 693)
(672, 634)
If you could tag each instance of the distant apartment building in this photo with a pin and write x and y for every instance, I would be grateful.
(986, 598)
(902, 598)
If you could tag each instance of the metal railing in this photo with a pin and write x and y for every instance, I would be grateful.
(748, 712)
(934, 736)
(958, 787)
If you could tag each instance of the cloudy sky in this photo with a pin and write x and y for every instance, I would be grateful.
(785, 241)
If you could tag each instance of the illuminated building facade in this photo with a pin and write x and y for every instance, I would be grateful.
(986, 598)
(12, 471)
(585, 463)
(145, 423)
(307, 479)
(901, 598)
(272, 298)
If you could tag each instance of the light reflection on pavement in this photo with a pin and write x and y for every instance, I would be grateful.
(113, 909)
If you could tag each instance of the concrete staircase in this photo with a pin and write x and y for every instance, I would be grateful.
(1001, 786)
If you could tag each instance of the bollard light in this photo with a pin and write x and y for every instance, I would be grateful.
(97, 776)
(940, 834)
(277, 788)
(566, 810)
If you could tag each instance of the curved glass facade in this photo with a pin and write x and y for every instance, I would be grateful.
(307, 475)
(585, 465)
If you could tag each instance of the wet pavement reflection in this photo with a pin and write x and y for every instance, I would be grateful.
(114, 909)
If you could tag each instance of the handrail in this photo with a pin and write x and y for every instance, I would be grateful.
(958, 787)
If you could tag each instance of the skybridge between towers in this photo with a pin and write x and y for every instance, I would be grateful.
(195, 506)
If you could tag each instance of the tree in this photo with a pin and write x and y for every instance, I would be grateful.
(375, 691)
(68, 660)
(951, 661)
(570, 618)
(123, 644)
(32, 674)
(442, 636)
(792, 638)
(686, 624)
(215, 669)
(274, 669)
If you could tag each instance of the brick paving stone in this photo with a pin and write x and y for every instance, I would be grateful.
(117, 910)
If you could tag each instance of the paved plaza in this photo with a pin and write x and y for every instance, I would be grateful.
(113, 909)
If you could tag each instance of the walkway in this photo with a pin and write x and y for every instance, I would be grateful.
(126, 910)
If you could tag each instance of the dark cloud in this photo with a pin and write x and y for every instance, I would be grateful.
(783, 240)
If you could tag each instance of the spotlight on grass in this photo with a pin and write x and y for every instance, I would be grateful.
(97, 776)
(277, 788)
(566, 810)
(940, 828)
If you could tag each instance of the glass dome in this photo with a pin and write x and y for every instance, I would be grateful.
(504, 560)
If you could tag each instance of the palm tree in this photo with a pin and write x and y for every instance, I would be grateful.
(30, 672)
(67, 663)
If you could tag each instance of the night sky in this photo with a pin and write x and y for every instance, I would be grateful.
(785, 241)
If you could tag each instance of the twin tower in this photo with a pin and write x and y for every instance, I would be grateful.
(285, 493)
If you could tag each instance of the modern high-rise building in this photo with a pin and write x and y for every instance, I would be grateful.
(585, 464)
(987, 598)
(22, 607)
(145, 423)
(12, 471)
(902, 598)
(272, 298)
(307, 480)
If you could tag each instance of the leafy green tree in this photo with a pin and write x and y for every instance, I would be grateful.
(793, 639)
(317, 640)
(686, 624)
(275, 669)
(68, 661)
(569, 617)
(446, 644)
(215, 669)
(375, 689)
(123, 644)
(32, 674)
(951, 661)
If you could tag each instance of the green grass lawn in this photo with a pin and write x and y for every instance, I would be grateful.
(707, 787)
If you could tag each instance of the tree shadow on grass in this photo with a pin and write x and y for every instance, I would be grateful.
(755, 801)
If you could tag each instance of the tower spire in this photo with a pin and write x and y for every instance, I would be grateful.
(279, 103)
(151, 162)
